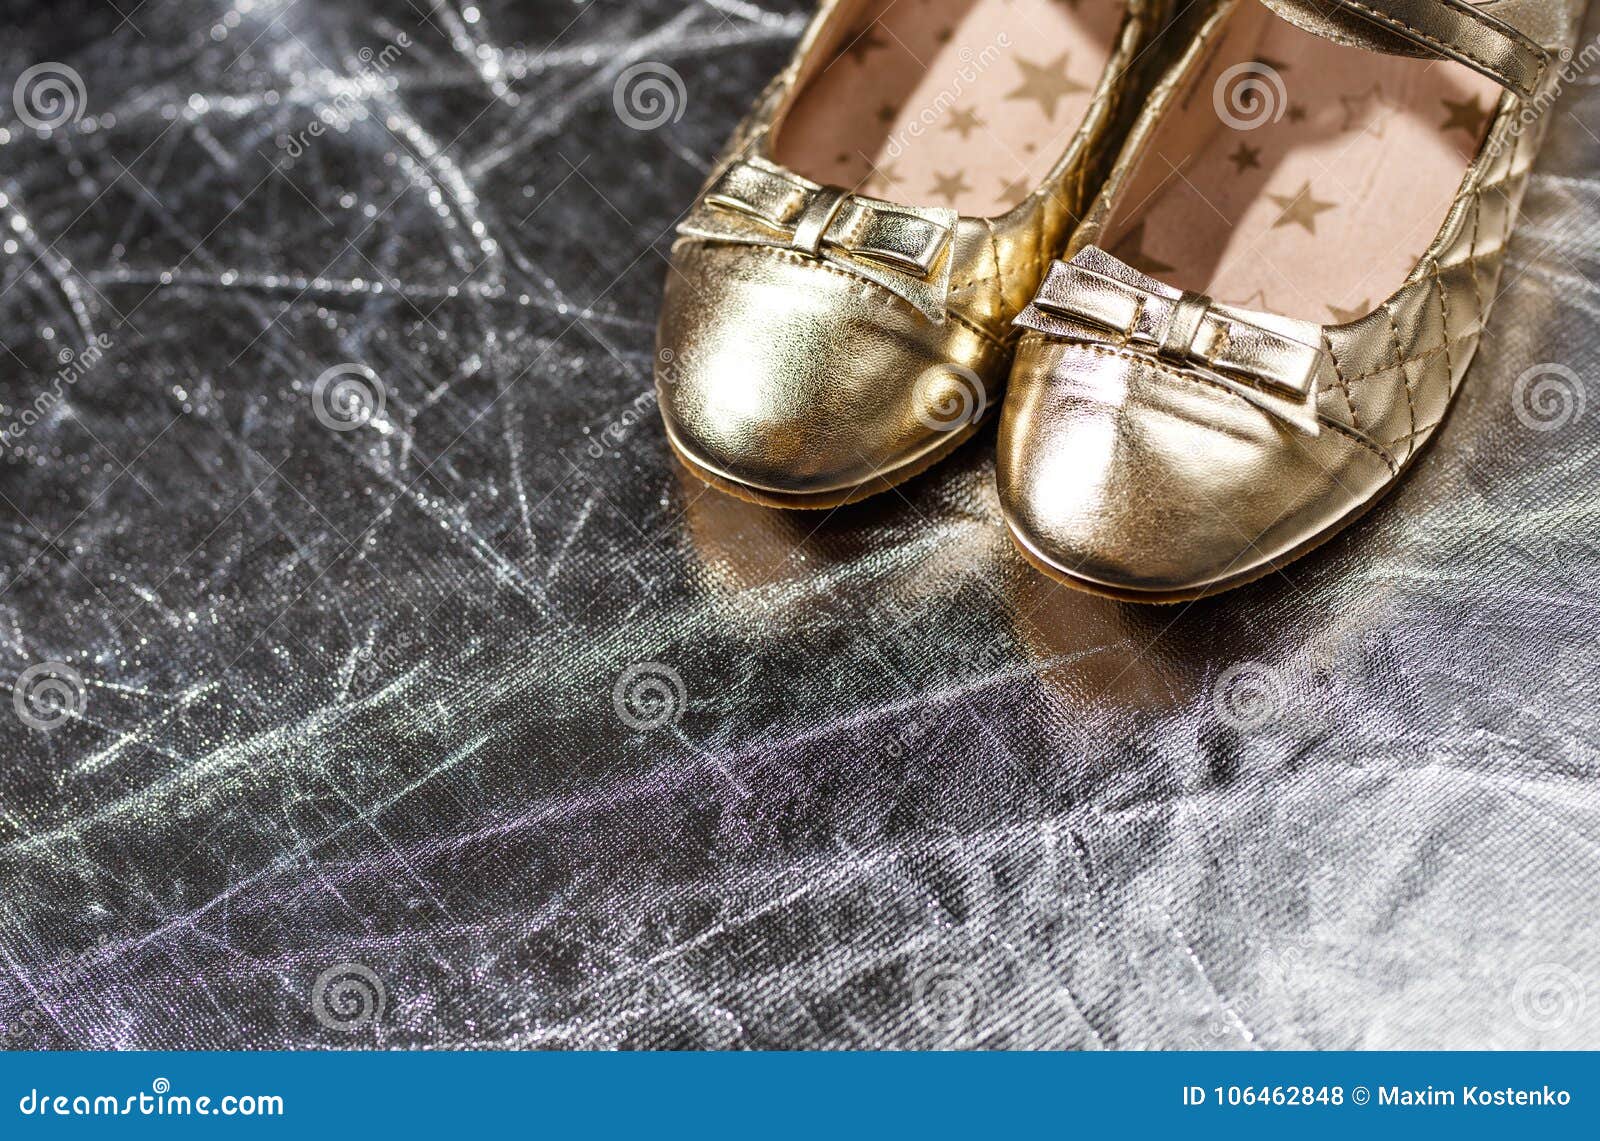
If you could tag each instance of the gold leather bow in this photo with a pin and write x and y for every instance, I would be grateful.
(905, 249)
(1268, 360)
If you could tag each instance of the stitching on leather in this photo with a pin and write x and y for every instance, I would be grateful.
(1436, 277)
(1430, 38)
(1387, 460)
(1444, 315)
(888, 298)
(1344, 387)
(1068, 183)
(884, 295)
(1421, 358)
(1399, 353)
(968, 323)
(1422, 431)
(1030, 262)
(999, 267)
(1167, 370)
(979, 278)
(1472, 256)
(1025, 262)
(971, 283)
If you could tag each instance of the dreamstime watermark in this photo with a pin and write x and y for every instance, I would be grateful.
(49, 95)
(371, 663)
(348, 396)
(74, 367)
(1275, 972)
(915, 734)
(48, 695)
(619, 425)
(1548, 397)
(649, 95)
(649, 695)
(670, 365)
(945, 998)
(1249, 95)
(28, 1027)
(1547, 996)
(616, 427)
(1249, 695)
(349, 996)
(949, 398)
(973, 65)
(158, 1101)
(350, 103)
(1531, 111)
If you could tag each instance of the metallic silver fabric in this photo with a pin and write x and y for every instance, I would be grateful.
(382, 682)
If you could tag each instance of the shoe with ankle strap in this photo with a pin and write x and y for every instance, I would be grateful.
(1275, 297)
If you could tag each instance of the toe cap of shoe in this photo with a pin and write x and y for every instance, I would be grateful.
(786, 375)
(1125, 473)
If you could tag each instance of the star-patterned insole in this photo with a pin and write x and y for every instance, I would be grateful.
(1317, 192)
(966, 104)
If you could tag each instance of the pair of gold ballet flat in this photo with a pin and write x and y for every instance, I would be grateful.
(1227, 271)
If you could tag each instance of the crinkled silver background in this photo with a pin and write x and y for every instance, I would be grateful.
(348, 697)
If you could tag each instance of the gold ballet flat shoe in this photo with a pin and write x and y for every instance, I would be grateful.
(1207, 389)
(820, 342)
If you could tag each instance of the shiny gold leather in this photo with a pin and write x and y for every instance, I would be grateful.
(1485, 37)
(1271, 362)
(1135, 466)
(817, 346)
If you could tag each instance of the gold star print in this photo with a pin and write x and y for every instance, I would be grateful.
(1465, 114)
(887, 113)
(1357, 311)
(1245, 158)
(950, 186)
(1300, 208)
(865, 43)
(1048, 83)
(964, 123)
(1297, 113)
(1016, 190)
(1131, 250)
(1367, 111)
(943, 35)
(885, 176)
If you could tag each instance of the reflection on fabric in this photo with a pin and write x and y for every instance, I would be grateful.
(457, 678)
